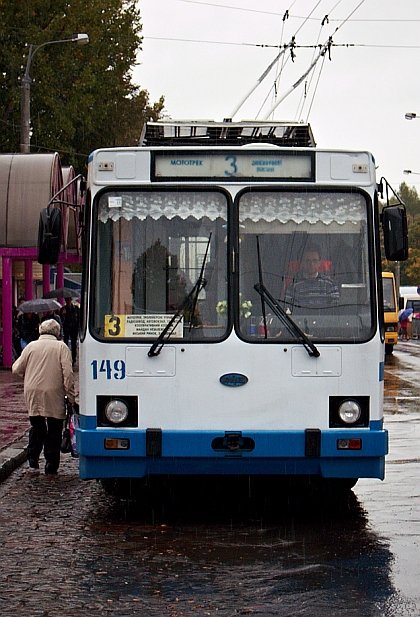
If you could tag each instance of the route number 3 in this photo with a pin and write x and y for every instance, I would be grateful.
(233, 167)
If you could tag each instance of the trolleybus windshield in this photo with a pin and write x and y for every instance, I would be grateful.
(313, 249)
(152, 246)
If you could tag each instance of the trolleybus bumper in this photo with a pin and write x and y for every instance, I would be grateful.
(333, 453)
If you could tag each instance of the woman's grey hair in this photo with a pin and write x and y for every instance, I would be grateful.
(50, 326)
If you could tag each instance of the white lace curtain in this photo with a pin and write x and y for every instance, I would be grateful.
(303, 207)
(269, 206)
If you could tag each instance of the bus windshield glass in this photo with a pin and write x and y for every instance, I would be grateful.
(389, 295)
(152, 247)
(310, 251)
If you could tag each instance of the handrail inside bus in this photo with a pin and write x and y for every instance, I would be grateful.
(288, 322)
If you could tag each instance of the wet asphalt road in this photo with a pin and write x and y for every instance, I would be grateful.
(69, 549)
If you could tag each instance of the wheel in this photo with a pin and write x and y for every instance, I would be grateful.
(337, 487)
(124, 488)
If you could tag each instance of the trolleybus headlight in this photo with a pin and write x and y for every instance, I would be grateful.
(349, 412)
(116, 411)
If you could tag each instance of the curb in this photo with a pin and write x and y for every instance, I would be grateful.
(11, 458)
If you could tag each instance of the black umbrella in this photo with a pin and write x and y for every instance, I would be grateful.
(63, 292)
(40, 305)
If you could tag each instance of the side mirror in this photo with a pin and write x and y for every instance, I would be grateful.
(49, 235)
(394, 225)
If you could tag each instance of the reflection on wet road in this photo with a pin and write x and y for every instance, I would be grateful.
(71, 546)
(402, 379)
(210, 549)
(393, 506)
(13, 416)
(302, 563)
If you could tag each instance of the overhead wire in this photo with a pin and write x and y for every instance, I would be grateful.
(240, 8)
(271, 65)
(325, 48)
(276, 46)
(347, 18)
(315, 90)
(307, 87)
(280, 70)
(284, 60)
(325, 21)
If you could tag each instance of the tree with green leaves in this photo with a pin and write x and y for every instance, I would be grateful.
(411, 200)
(410, 269)
(82, 97)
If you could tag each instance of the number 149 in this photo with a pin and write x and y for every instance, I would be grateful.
(115, 371)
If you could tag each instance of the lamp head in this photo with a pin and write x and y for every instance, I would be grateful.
(80, 39)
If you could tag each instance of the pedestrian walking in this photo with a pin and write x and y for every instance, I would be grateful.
(70, 319)
(17, 349)
(27, 325)
(54, 315)
(45, 366)
(404, 329)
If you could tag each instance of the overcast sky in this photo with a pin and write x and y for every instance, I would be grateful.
(204, 56)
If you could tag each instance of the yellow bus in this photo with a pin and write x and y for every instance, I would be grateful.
(390, 311)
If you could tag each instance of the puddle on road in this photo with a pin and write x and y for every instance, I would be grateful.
(401, 386)
(205, 556)
(402, 370)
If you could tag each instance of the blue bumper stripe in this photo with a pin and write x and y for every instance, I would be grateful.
(190, 452)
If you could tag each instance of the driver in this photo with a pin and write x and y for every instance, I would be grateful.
(311, 288)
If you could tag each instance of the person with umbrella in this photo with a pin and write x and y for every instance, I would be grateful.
(27, 326)
(403, 318)
(39, 305)
(28, 320)
(62, 292)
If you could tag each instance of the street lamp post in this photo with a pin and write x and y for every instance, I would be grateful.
(407, 172)
(25, 103)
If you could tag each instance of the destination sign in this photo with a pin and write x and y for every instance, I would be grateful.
(233, 165)
(139, 326)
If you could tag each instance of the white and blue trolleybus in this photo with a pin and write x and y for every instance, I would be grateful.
(232, 306)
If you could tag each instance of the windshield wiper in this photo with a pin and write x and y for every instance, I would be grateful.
(190, 302)
(288, 322)
(260, 275)
(267, 298)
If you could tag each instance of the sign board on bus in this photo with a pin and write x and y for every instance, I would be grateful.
(233, 165)
(139, 326)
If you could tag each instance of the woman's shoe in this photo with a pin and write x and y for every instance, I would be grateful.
(50, 469)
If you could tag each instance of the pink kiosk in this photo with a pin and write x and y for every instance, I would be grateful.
(28, 182)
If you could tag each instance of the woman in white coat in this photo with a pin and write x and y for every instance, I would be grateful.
(46, 367)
